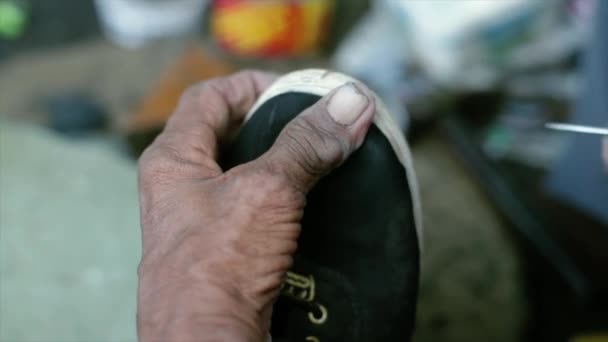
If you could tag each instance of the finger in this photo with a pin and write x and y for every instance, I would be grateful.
(207, 113)
(321, 137)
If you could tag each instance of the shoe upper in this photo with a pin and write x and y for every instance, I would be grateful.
(356, 270)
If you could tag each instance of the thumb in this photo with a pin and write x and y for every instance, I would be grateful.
(322, 137)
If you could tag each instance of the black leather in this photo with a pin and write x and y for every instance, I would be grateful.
(358, 236)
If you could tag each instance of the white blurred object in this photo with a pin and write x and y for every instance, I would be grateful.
(376, 52)
(439, 30)
(132, 23)
(577, 128)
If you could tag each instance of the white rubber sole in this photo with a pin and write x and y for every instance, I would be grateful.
(320, 82)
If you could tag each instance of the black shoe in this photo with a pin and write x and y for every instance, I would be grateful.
(356, 270)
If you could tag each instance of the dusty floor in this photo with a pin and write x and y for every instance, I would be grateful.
(69, 235)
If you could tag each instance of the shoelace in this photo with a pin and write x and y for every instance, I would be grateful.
(300, 290)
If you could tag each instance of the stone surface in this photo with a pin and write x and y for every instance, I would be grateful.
(69, 239)
(471, 284)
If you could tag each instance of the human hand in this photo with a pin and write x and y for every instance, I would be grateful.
(217, 243)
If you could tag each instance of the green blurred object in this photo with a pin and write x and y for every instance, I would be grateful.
(13, 18)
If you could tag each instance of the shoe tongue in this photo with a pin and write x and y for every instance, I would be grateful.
(318, 303)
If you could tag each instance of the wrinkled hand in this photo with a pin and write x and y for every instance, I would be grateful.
(217, 244)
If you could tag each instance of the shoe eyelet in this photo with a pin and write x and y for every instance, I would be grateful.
(321, 318)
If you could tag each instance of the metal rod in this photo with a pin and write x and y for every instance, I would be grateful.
(577, 128)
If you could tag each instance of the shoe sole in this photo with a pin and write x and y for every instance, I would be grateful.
(320, 82)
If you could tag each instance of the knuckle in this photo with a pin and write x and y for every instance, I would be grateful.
(191, 94)
(147, 163)
(316, 149)
(262, 187)
(158, 164)
(151, 162)
(144, 161)
(195, 93)
(246, 72)
(261, 190)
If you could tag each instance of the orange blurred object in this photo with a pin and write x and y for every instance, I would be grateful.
(271, 28)
(193, 66)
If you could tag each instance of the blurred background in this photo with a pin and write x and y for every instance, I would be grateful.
(516, 215)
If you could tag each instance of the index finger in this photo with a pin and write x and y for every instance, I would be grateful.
(208, 113)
